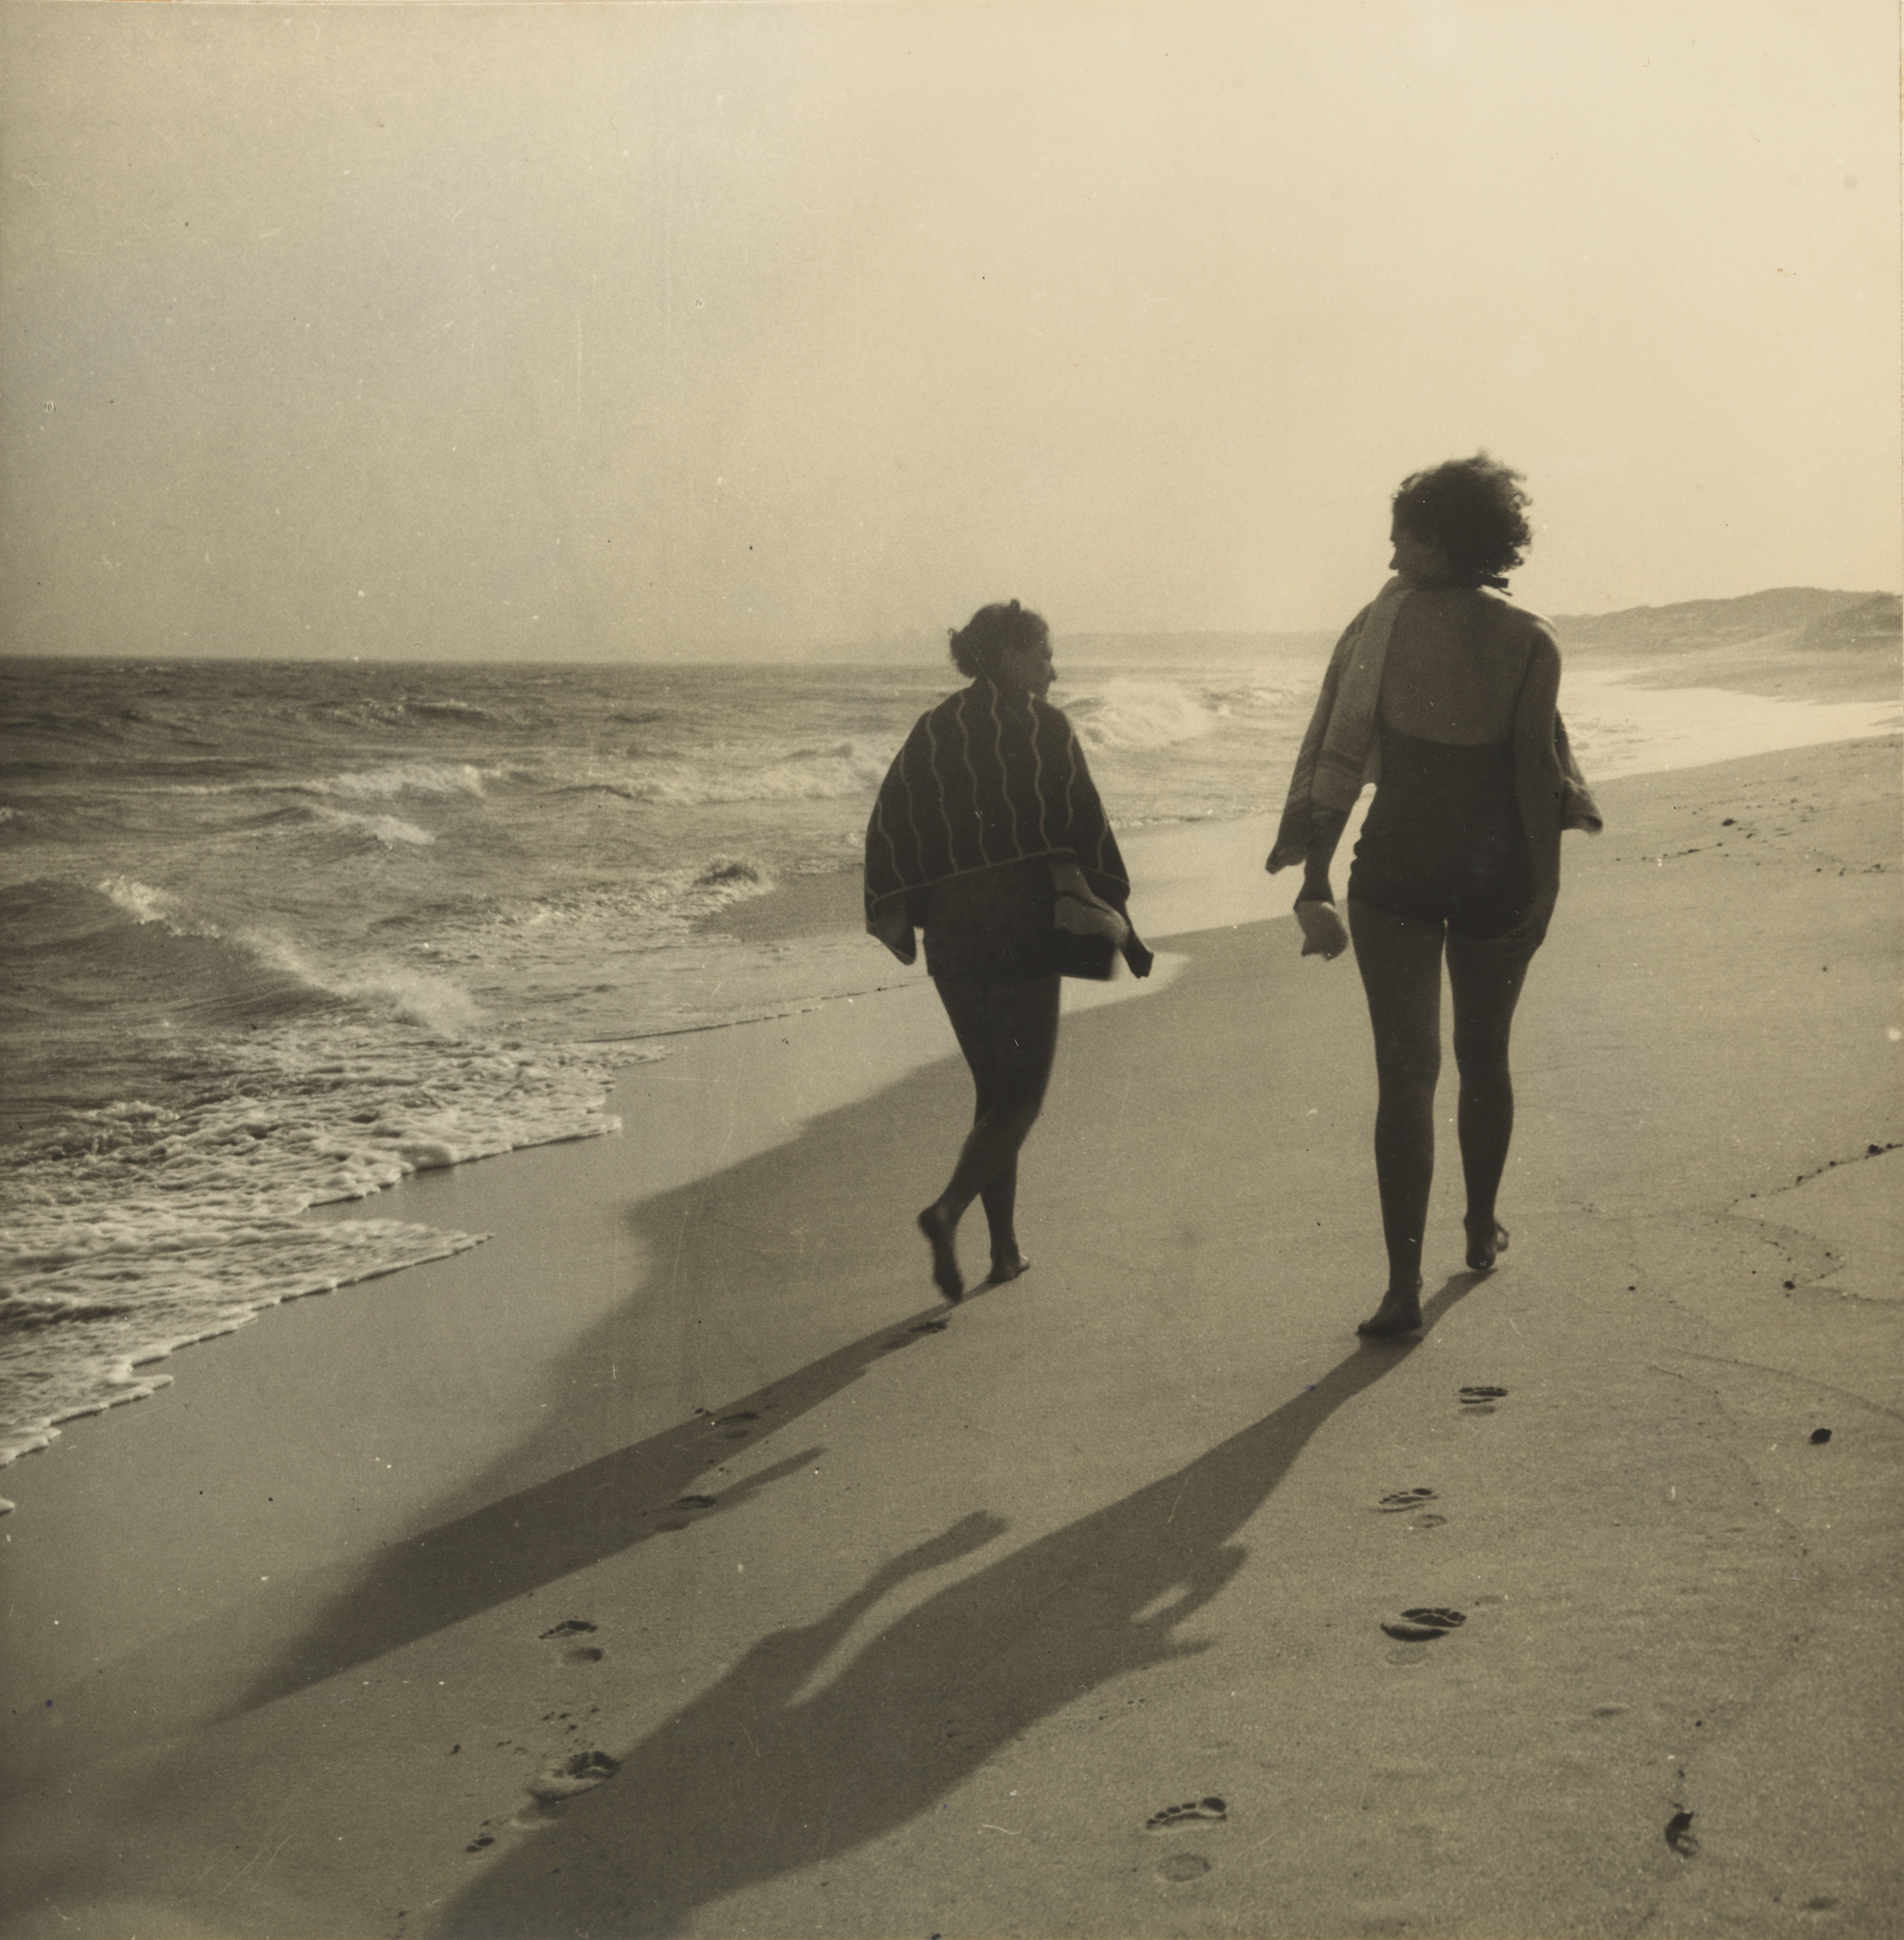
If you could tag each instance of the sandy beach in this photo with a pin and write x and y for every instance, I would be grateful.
(676, 1563)
(491, 492)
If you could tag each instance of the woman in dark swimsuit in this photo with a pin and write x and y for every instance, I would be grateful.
(1460, 853)
(991, 790)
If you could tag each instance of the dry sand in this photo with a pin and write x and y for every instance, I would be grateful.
(836, 1612)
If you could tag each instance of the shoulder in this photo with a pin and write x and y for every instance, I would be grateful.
(1513, 618)
(950, 708)
(921, 743)
(1529, 640)
(1355, 626)
(1520, 626)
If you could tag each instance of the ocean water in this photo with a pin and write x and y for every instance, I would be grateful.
(275, 934)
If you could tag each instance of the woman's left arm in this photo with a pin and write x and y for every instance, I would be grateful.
(1537, 777)
(1102, 868)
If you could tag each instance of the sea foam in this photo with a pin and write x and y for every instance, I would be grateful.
(139, 1228)
(386, 829)
(1130, 715)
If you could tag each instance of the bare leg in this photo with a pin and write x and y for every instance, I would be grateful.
(1000, 1199)
(1009, 1033)
(1400, 961)
(1484, 980)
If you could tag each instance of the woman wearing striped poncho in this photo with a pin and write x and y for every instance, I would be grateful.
(989, 835)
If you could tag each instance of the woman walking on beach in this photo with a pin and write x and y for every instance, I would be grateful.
(1443, 694)
(988, 834)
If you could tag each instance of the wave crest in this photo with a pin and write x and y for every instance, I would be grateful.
(1129, 716)
(438, 777)
(386, 830)
(845, 771)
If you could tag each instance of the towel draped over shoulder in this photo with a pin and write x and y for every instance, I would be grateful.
(990, 775)
(1342, 749)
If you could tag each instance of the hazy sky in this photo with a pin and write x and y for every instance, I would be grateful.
(659, 330)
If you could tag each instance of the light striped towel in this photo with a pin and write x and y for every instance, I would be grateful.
(1342, 749)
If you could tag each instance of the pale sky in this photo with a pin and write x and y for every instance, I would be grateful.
(659, 331)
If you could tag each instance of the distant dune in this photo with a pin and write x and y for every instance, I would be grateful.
(1780, 620)
(1785, 615)
(1796, 643)
(1873, 624)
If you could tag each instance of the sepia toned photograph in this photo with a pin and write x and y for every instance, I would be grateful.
(952, 970)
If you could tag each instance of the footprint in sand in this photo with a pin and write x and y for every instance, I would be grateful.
(570, 1777)
(1405, 1499)
(1181, 1867)
(1424, 1626)
(1212, 1811)
(1480, 1401)
(579, 1653)
(560, 1780)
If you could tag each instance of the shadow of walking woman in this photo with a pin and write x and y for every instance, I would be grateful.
(925, 1704)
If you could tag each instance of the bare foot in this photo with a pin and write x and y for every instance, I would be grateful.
(938, 1231)
(1004, 1270)
(1484, 1249)
(1399, 1313)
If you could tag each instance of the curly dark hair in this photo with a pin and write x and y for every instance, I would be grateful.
(1475, 510)
(992, 631)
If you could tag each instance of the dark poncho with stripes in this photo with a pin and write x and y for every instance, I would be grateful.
(992, 775)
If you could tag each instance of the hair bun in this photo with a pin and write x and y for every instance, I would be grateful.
(993, 630)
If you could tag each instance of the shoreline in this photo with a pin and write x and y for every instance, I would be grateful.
(437, 1476)
(1192, 876)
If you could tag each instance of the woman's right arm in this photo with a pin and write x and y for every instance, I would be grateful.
(1326, 827)
(1324, 934)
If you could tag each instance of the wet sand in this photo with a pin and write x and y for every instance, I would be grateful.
(677, 1562)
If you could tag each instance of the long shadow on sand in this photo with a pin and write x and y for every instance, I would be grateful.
(751, 1780)
(713, 1247)
(534, 1537)
(519, 1542)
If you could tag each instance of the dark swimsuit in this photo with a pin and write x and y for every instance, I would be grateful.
(991, 927)
(1443, 842)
